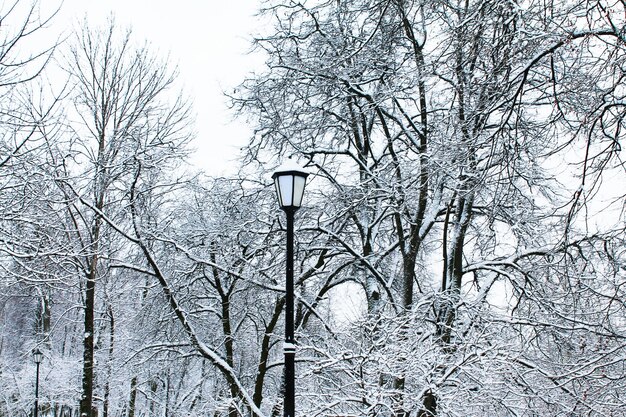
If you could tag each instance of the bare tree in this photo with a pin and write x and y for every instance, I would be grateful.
(127, 116)
(439, 129)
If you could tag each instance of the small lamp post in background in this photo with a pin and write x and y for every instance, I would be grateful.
(37, 357)
(289, 180)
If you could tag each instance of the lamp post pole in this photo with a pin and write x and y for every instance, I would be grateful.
(37, 392)
(37, 356)
(290, 180)
(290, 342)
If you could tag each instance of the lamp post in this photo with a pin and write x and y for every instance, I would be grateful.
(289, 180)
(37, 357)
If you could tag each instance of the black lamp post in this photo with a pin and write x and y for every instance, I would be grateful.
(37, 357)
(289, 180)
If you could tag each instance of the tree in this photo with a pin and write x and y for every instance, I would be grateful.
(128, 119)
(24, 303)
(438, 129)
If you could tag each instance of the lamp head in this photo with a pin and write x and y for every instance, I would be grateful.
(290, 180)
(37, 356)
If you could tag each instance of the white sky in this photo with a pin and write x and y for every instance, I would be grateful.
(208, 41)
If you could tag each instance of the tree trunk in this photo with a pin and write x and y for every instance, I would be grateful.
(429, 405)
(133, 397)
(88, 342)
(43, 315)
(107, 388)
(265, 351)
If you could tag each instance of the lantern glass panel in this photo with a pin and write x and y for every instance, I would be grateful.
(298, 190)
(277, 186)
(285, 183)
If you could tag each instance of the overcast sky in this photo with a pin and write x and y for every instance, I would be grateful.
(208, 41)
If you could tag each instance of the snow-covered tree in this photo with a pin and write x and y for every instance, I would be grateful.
(456, 144)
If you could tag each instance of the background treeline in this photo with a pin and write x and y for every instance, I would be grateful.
(461, 250)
